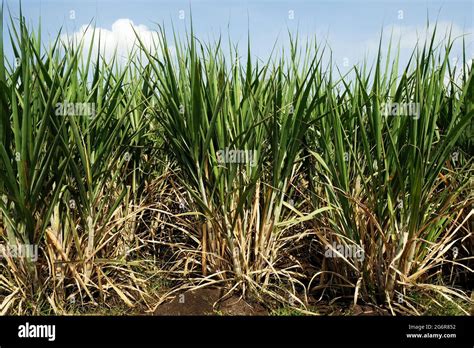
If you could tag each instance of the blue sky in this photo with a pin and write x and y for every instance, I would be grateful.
(351, 27)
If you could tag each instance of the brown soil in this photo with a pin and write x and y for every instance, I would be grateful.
(208, 301)
(368, 310)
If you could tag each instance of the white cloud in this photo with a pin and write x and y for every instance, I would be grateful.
(122, 38)
(409, 36)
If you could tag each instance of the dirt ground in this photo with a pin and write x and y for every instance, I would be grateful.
(209, 301)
